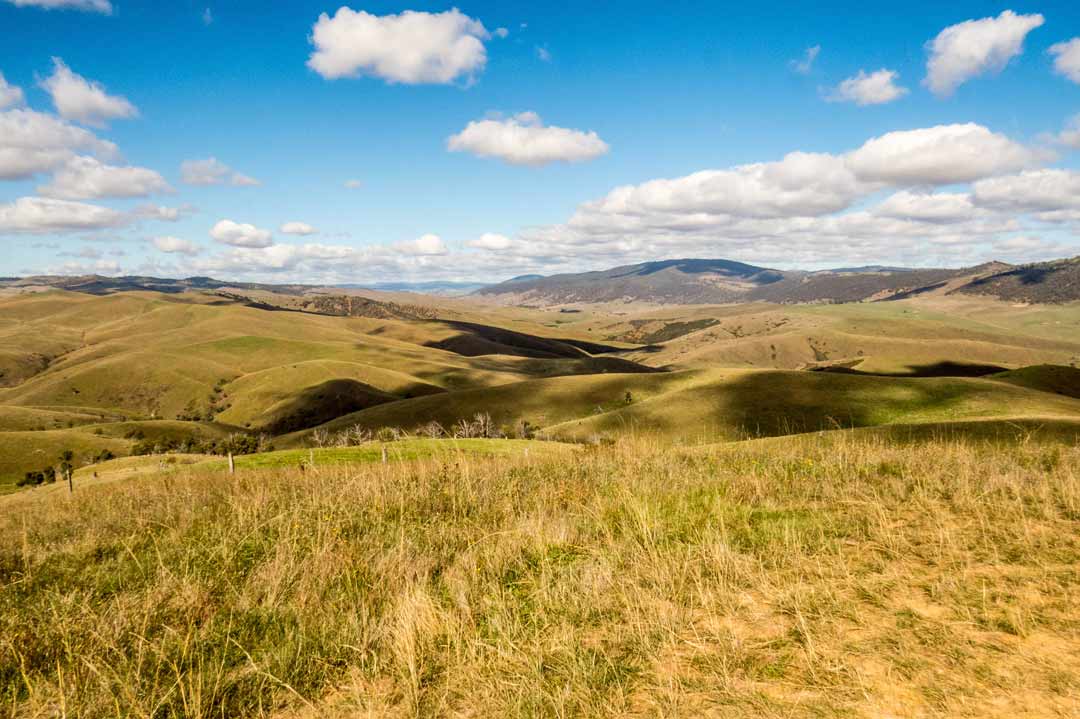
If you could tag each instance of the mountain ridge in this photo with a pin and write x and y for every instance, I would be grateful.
(717, 281)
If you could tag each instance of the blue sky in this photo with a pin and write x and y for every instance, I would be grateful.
(691, 111)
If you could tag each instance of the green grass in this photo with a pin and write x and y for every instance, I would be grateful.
(404, 450)
(1045, 378)
(21, 452)
(715, 405)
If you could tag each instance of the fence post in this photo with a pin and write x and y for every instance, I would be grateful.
(232, 465)
(384, 454)
(71, 486)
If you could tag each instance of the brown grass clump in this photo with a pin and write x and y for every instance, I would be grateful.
(855, 579)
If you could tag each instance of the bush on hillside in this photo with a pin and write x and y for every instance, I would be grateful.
(233, 444)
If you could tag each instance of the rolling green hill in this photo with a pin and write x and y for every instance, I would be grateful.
(102, 373)
(705, 405)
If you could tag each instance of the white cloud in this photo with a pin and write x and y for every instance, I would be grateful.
(240, 235)
(543, 54)
(411, 48)
(424, 245)
(101, 6)
(297, 228)
(85, 178)
(175, 246)
(975, 47)
(1067, 59)
(802, 184)
(939, 155)
(501, 32)
(39, 215)
(524, 140)
(207, 17)
(164, 214)
(804, 65)
(877, 88)
(33, 142)
(1044, 190)
(491, 241)
(212, 171)
(942, 207)
(9, 94)
(1070, 136)
(84, 101)
(806, 209)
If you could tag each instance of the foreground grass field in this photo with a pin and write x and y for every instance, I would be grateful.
(855, 577)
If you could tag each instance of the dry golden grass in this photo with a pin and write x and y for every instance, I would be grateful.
(854, 579)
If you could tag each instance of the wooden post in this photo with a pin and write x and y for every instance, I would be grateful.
(384, 454)
(232, 465)
(71, 486)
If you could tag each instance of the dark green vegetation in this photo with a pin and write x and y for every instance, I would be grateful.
(1045, 282)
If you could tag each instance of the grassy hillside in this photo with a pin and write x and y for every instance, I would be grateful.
(1047, 378)
(22, 452)
(717, 404)
(860, 578)
(220, 366)
(881, 337)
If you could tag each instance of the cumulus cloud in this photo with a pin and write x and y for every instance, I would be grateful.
(33, 142)
(213, 171)
(101, 6)
(425, 245)
(939, 155)
(82, 100)
(40, 215)
(240, 235)
(807, 209)
(801, 184)
(297, 228)
(976, 47)
(1067, 59)
(805, 64)
(85, 178)
(1045, 190)
(942, 207)
(410, 48)
(524, 140)
(175, 246)
(491, 241)
(876, 88)
(9, 94)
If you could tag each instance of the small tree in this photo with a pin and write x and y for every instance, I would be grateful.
(320, 437)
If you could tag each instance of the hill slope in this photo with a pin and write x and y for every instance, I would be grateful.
(702, 281)
(713, 405)
(849, 579)
(1046, 282)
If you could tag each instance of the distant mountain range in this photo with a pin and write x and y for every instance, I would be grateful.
(450, 289)
(685, 281)
(701, 281)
